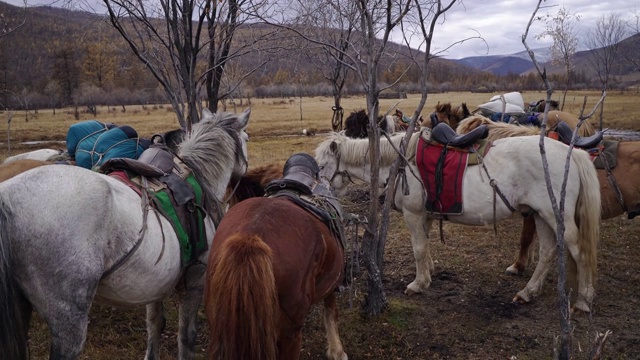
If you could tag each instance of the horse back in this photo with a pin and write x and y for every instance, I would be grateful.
(306, 254)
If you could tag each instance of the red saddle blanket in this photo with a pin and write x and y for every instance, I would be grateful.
(442, 171)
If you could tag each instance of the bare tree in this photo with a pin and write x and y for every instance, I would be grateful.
(565, 349)
(562, 30)
(633, 55)
(167, 36)
(333, 22)
(9, 25)
(226, 44)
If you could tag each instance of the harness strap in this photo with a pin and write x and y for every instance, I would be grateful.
(613, 182)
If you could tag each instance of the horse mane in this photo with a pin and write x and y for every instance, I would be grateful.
(497, 130)
(253, 183)
(355, 151)
(208, 150)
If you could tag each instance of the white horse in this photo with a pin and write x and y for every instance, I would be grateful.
(69, 236)
(515, 165)
(41, 154)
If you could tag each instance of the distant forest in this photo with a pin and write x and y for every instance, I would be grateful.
(61, 58)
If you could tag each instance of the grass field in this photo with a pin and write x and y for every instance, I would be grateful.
(276, 124)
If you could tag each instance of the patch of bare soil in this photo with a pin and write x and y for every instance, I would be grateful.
(467, 313)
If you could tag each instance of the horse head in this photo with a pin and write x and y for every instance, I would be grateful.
(447, 114)
(216, 149)
(328, 156)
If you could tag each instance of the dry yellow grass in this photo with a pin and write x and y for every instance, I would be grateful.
(276, 124)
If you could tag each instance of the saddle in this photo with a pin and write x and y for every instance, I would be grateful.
(301, 185)
(174, 191)
(565, 133)
(445, 135)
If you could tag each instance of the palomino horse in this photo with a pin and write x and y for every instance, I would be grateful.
(40, 154)
(513, 158)
(356, 124)
(270, 261)
(69, 235)
(16, 167)
(453, 117)
(622, 176)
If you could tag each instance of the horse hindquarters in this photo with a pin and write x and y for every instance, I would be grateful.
(13, 327)
(241, 300)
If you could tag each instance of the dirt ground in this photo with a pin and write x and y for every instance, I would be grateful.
(467, 312)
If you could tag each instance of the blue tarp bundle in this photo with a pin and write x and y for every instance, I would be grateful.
(92, 143)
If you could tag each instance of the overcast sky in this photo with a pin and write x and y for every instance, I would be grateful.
(501, 23)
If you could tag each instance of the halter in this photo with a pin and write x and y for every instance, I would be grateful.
(339, 172)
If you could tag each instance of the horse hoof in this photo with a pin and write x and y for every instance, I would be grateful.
(521, 298)
(513, 270)
(580, 307)
(412, 290)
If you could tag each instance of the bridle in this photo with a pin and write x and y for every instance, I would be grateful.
(338, 172)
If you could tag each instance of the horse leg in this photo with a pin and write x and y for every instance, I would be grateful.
(546, 237)
(155, 325)
(290, 343)
(526, 239)
(419, 225)
(68, 319)
(188, 330)
(190, 300)
(578, 263)
(335, 351)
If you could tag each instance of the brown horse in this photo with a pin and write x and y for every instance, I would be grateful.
(623, 176)
(253, 183)
(453, 116)
(450, 115)
(356, 124)
(270, 261)
(16, 167)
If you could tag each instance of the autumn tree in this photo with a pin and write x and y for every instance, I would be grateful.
(562, 30)
(66, 69)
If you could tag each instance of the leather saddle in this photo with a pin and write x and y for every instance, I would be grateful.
(301, 184)
(443, 133)
(565, 133)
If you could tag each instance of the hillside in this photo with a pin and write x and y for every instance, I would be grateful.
(58, 47)
(520, 63)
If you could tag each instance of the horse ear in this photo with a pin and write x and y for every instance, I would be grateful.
(243, 119)
(206, 113)
(465, 111)
(333, 147)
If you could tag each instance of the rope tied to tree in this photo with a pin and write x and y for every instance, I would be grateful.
(336, 120)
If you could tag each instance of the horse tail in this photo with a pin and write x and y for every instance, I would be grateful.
(13, 341)
(588, 210)
(241, 300)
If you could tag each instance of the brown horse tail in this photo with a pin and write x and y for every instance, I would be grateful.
(588, 211)
(13, 340)
(241, 300)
